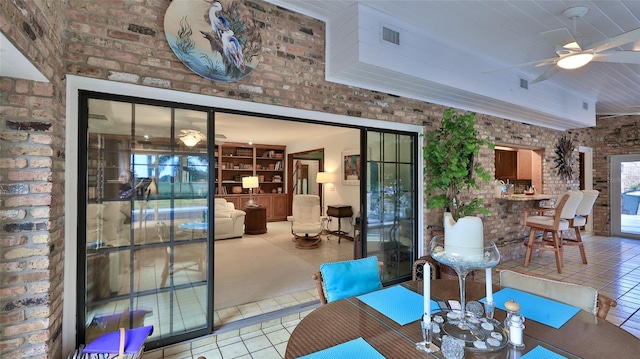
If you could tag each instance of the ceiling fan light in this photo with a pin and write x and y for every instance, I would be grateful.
(191, 139)
(574, 61)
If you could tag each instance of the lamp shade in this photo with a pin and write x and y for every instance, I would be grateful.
(324, 177)
(250, 182)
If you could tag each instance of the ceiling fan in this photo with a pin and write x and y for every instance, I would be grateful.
(570, 55)
(613, 115)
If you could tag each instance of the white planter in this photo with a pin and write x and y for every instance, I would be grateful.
(464, 237)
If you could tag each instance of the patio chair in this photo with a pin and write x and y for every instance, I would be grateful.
(581, 296)
(337, 280)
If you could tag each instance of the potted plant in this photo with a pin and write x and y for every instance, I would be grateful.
(450, 166)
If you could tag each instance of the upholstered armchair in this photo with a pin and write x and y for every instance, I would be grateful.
(228, 221)
(306, 221)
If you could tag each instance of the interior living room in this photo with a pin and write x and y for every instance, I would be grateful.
(128, 189)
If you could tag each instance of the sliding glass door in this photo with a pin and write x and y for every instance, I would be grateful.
(142, 245)
(390, 220)
(625, 195)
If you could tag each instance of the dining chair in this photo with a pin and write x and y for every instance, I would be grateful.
(581, 296)
(337, 280)
(539, 220)
(580, 220)
(418, 268)
(187, 257)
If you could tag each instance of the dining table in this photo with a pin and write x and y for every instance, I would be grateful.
(584, 335)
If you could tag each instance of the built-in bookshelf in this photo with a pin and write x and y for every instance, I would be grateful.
(236, 160)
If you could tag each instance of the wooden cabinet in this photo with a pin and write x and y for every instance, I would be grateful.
(275, 203)
(506, 165)
(236, 160)
(256, 220)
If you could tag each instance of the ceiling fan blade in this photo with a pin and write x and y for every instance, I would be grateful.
(619, 115)
(625, 57)
(558, 37)
(547, 74)
(537, 63)
(607, 44)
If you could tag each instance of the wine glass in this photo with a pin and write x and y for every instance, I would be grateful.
(463, 261)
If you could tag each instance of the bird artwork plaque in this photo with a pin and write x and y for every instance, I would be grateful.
(217, 40)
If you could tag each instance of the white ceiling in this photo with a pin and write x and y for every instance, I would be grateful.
(453, 44)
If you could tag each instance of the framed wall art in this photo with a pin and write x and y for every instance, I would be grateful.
(351, 168)
(216, 39)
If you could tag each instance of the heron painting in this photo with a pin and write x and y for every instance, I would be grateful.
(217, 39)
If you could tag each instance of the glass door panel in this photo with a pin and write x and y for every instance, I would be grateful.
(625, 196)
(146, 234)
(390, 229)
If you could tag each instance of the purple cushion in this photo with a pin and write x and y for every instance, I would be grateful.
(110, 342)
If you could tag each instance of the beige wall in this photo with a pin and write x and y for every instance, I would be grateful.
(124, 41)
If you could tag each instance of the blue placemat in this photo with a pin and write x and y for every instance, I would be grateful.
(400, 304)
(542, 353)
(357, 348)
(542, 310)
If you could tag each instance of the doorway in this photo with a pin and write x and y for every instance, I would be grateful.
(625, 195)
(301, 179)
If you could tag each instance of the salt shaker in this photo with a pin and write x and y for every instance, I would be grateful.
(514, 323)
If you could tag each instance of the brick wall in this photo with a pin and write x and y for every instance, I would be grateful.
(124, 41)
(32, 127)
(504, 223)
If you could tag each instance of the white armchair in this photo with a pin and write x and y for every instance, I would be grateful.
(306, 221)
(228, 221)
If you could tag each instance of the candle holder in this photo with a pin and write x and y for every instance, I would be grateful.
(489, 309)
(427, 337)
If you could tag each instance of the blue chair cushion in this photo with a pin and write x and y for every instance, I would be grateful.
(349, 278)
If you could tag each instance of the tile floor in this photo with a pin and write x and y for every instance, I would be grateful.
(613, 269)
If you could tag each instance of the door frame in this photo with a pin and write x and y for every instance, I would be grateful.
(587, 165)
(615, 191)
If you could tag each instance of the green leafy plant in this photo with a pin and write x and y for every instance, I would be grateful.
(449, 162)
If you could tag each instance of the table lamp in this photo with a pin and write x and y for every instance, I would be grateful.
(322, 178)
(250, 183)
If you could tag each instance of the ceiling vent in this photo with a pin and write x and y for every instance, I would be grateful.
(585, 106)
(524, 84)
(391, 36)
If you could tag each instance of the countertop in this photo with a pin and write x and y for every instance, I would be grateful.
(526, 197)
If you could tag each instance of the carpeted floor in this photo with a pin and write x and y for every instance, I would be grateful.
(257, 267)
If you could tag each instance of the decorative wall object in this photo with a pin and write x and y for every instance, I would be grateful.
(217, 40)
(351, 168)
(564, 158)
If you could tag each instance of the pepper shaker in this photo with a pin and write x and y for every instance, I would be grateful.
(514, 323)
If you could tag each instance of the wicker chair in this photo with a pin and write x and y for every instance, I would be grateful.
(580, 296)
(418, 268)
(320, 285)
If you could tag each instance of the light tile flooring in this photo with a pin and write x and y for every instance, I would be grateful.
(613, 269)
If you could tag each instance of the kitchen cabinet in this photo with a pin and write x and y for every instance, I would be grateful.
(506, 165)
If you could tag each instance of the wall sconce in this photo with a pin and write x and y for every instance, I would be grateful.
(250, 183)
